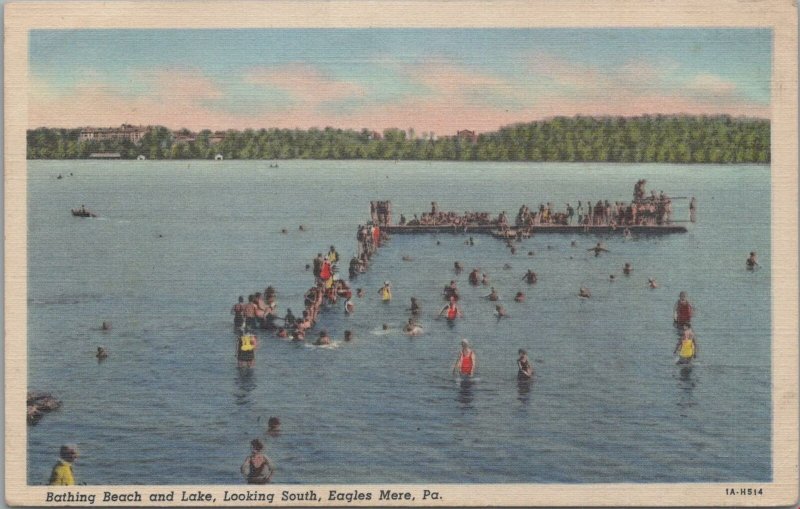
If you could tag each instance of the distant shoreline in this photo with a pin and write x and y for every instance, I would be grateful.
(674, 139)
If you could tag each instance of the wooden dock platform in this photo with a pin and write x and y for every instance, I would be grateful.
(544, 228)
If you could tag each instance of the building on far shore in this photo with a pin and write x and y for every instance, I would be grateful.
(124, 132)
(105, 155)
(466, 134)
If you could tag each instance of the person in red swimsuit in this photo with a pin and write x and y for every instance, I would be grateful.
(451, 310)
(466, 362)
(683, 311)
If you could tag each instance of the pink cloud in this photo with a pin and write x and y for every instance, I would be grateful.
(712, 84)
(448, 80)
(305, 84)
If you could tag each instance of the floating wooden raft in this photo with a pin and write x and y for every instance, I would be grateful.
(545, 228)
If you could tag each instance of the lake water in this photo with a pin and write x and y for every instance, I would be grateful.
(177, 242)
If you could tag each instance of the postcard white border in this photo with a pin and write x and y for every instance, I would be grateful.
(778, 15)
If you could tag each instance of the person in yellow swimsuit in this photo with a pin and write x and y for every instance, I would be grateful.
(686, 348)
(63, 474)
(385, 292)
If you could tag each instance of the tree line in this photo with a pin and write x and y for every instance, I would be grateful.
(647, 138)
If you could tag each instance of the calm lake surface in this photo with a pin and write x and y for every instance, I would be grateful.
(177, 242)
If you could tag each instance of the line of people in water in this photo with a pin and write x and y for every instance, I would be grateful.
(260, 310)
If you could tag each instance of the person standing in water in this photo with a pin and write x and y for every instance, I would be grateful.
(530, 277)
(238, 313)
(451, 310)
(752, 261)
(686, 348)
(63, 474)
(415, 307)
(524, 368)
(385, 292)
(683, 312)
(246, 344)
(257, 468)
(467, 361)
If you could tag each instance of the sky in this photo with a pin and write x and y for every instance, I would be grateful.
(431, 80)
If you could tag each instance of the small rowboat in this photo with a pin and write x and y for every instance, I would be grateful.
(83, 213)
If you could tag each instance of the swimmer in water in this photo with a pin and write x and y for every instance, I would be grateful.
(412, 328)
(493, 296)
(360, 293)
(273, 426)
(752, 261)
(686, 348)
(302, 228)
(348, 335)
(282, 333)
(584, 293)
(473, 277)
(598, 249)
(500, 311)
(349, 307)
(524, 368)
(484, 279)
(323, 338)
(457, 267)
(467, 361)
(107, 325)
(573, 243)
(101, 353)
(612, 278)
(530, 253)
(298, 335)
(652, 284)
(519, 297)
(627, 269)
(407, 258)
(507, 266)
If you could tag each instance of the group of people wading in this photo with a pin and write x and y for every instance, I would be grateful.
(259, 312)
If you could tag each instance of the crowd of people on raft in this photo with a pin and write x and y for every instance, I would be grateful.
(437, 217)
(643, 210)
